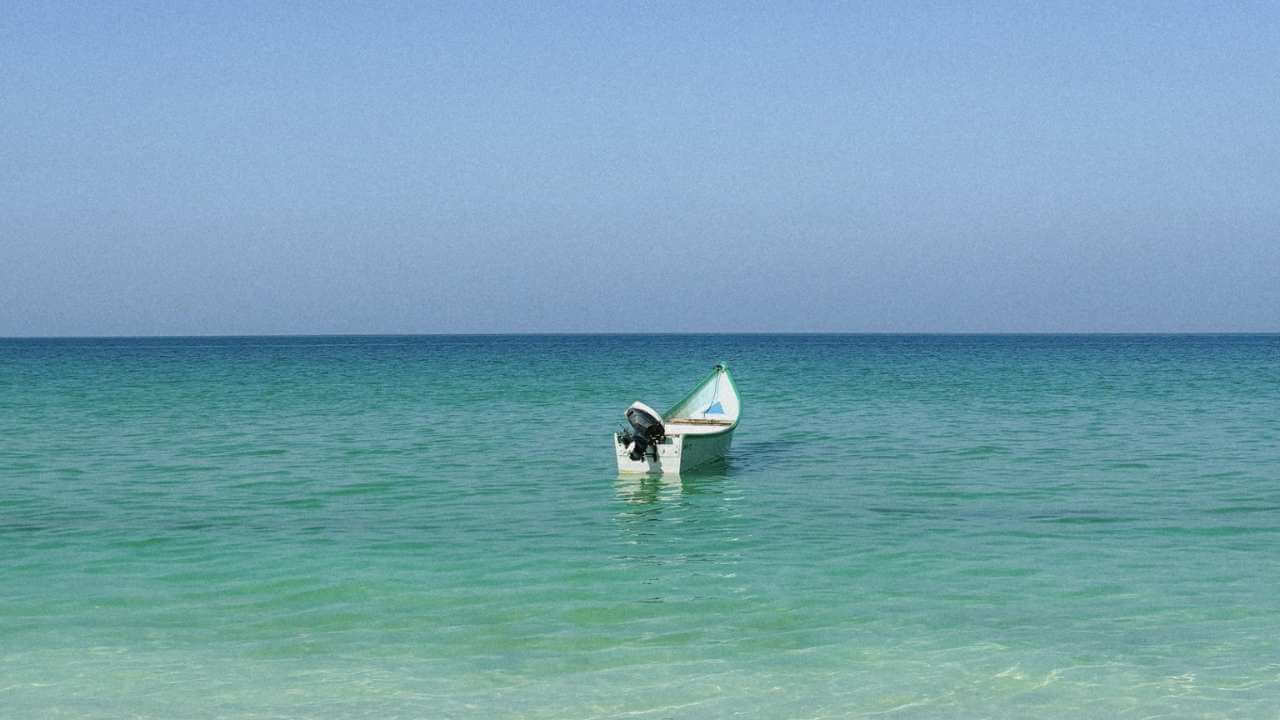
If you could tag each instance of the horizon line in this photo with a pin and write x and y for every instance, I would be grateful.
(939, 333)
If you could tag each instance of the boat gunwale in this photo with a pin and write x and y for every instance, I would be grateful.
(719, 368)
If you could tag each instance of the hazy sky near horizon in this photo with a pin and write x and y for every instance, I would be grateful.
(226, 168)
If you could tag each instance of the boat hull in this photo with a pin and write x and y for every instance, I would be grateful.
(675, 453)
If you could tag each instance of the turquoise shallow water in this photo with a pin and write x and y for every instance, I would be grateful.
(405, 527)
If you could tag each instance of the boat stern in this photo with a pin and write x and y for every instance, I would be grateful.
(663, 457)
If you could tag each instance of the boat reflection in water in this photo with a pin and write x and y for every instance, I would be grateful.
(642, 489)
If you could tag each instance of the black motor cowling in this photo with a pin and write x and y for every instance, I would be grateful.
(647, 429)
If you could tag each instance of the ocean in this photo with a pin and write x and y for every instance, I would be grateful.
(914, 526)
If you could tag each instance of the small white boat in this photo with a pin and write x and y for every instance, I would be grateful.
(697, 431)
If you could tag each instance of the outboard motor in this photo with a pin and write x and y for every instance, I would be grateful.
(647, 429)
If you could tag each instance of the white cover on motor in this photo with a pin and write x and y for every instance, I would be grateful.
(657, 416)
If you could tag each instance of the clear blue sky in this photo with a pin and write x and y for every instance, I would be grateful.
(197, 168)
